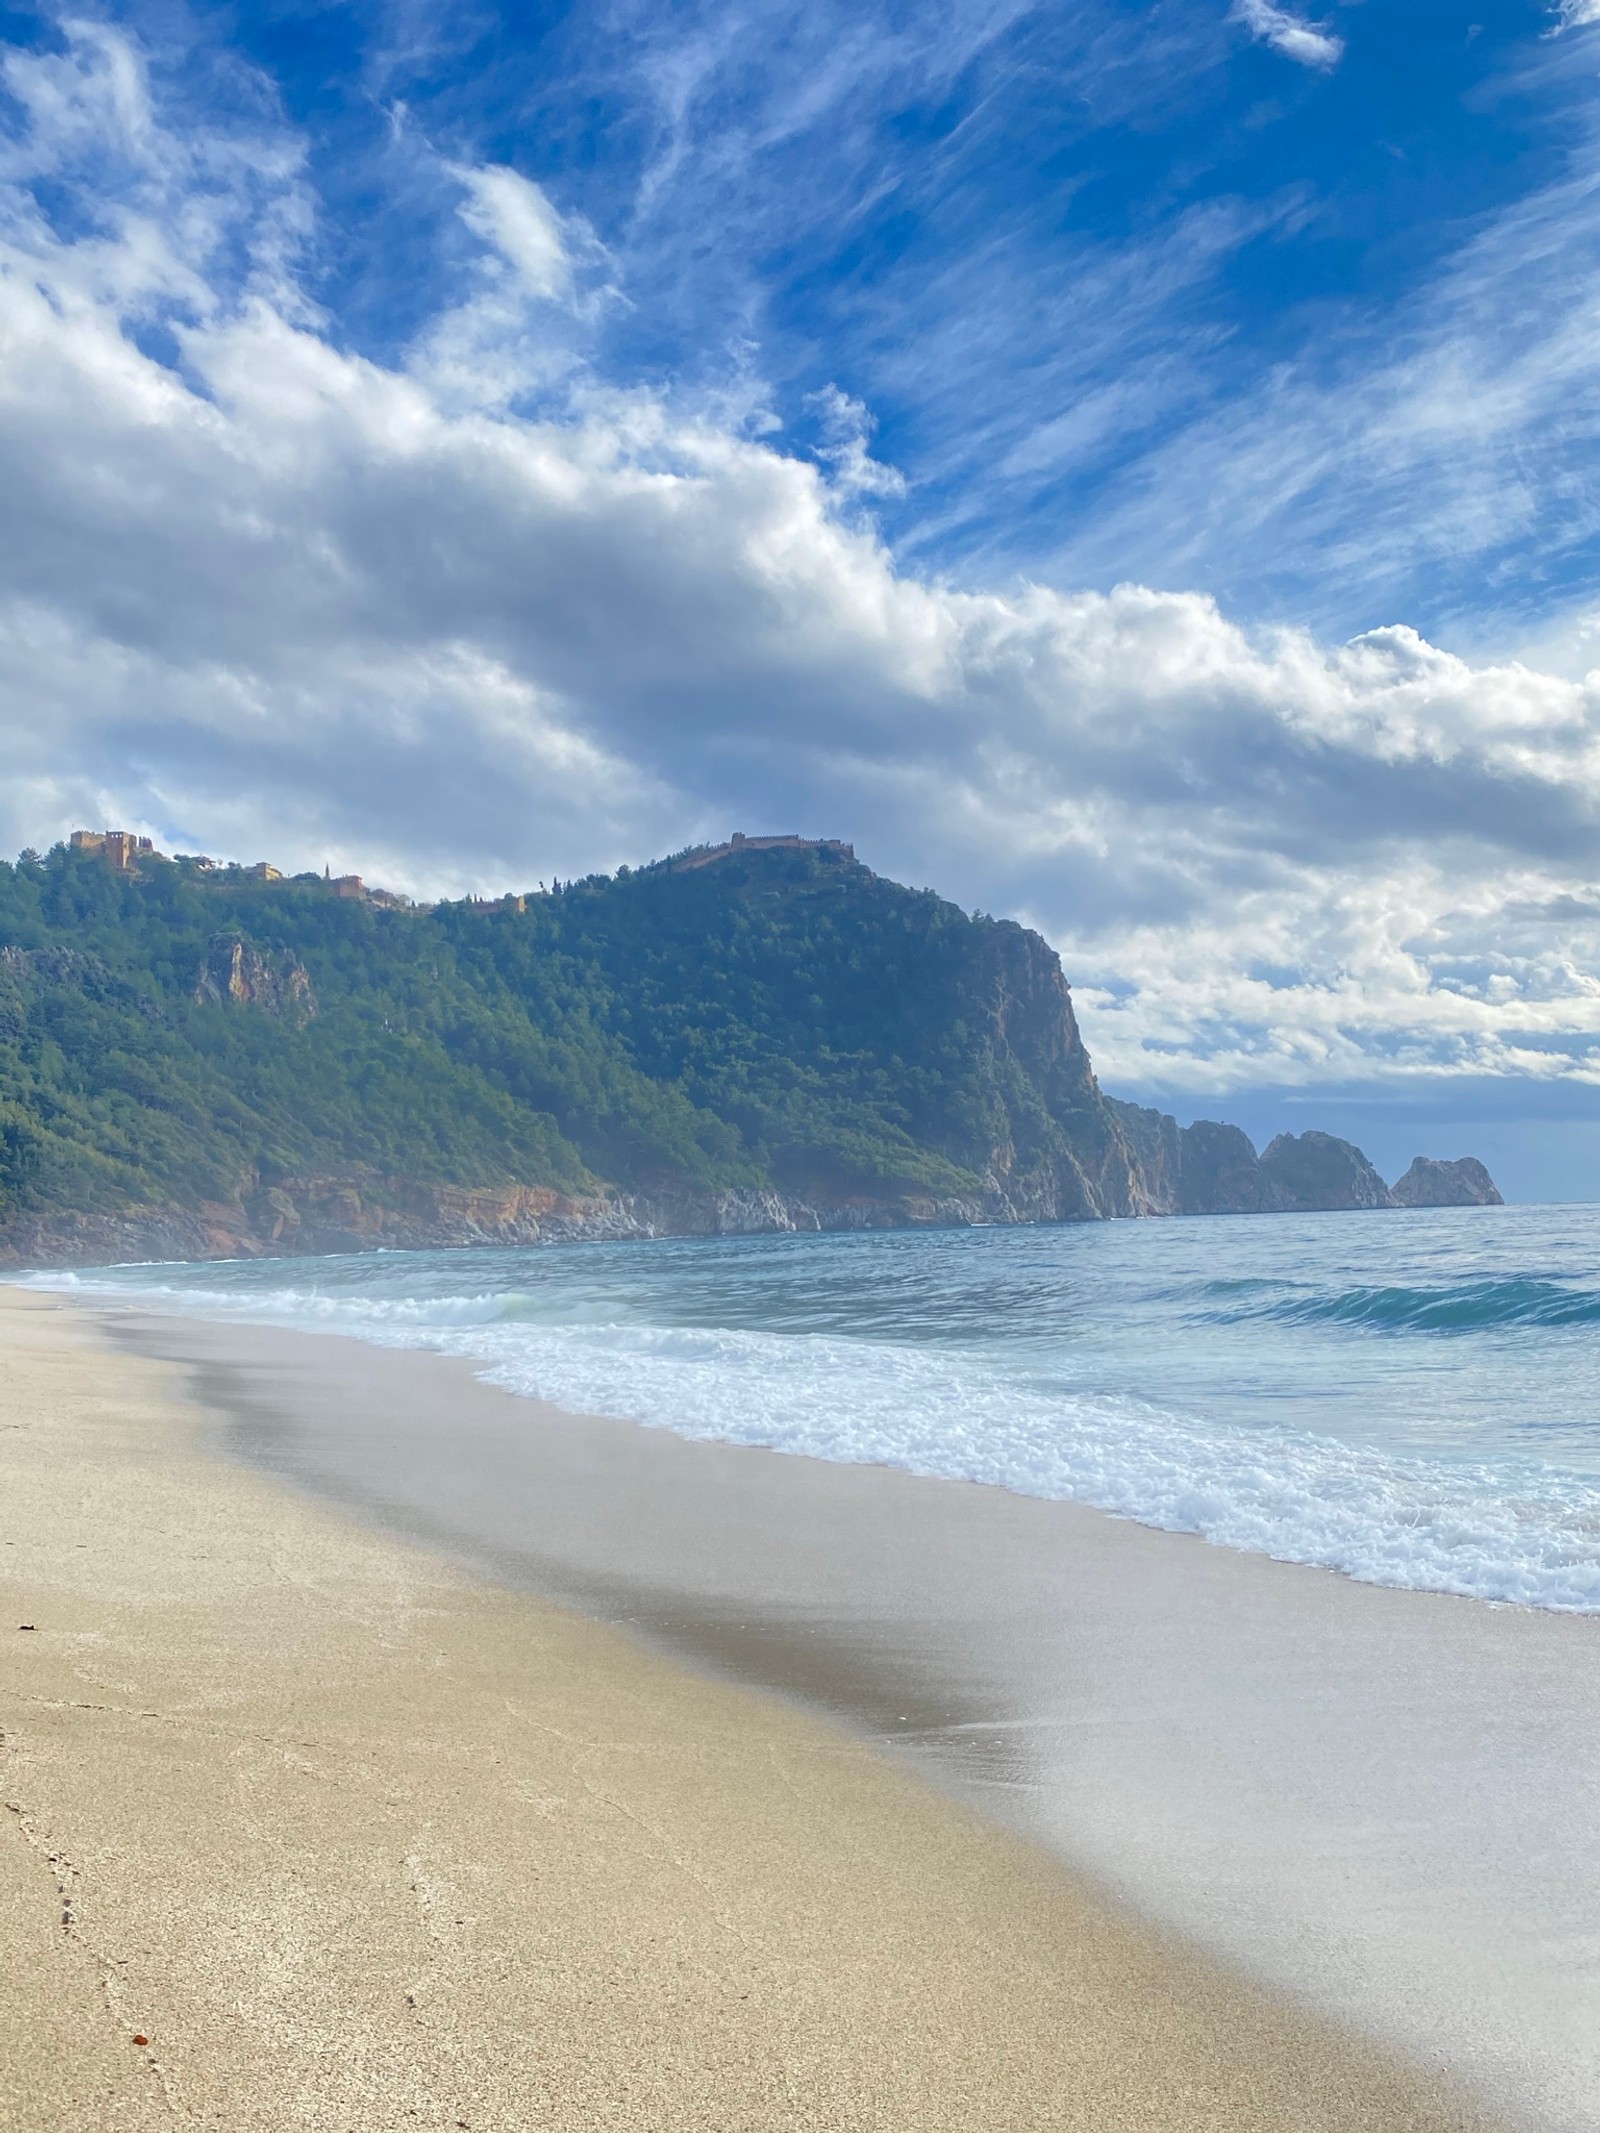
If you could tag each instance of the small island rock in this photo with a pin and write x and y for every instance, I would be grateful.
(1463, 1183)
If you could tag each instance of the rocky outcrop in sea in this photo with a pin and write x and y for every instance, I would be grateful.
(1463, 1183)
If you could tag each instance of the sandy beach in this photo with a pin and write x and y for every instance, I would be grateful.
(353, 1841)
(1378, 1803)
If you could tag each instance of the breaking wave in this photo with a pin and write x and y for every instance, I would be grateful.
(1502, 1528)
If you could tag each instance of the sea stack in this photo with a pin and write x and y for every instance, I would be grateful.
(1463, 1183)
(1318, 1170)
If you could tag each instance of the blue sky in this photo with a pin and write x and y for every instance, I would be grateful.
(1068, 258)
(1129, 466)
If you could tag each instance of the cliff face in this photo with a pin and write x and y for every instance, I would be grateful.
(1059, 1151)
(1154, 1145)
(1213, 1169)
(1463, 1183)
(1222, 1174)
(1204, 1169)
(305, 1217)
(234, 973)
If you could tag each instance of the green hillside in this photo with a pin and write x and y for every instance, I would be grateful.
(176, 1036)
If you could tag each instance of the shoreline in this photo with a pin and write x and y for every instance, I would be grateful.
(358, 1841)
(331, 1217)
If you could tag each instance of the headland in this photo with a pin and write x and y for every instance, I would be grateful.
(201, 1060)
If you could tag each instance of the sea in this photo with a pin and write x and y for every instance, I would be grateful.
(1409, 1397)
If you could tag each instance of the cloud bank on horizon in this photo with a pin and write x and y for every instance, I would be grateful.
(417, 560)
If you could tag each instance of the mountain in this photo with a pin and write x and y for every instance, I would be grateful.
(198, 1060)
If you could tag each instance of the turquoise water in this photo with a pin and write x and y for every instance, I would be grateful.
(1410, 1397)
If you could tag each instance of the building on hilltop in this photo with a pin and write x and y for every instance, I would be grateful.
(739, 843)
(120, 849)
(351, 888)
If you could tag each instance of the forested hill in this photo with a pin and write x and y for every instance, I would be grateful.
(198, 1059)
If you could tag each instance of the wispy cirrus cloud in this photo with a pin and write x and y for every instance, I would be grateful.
(878, 180)
(1289, 34)
(1442, 464)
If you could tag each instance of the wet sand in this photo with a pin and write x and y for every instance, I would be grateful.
(353, 1840)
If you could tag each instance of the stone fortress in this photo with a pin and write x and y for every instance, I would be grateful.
(123, 852)
(120, 849)
(739, 843)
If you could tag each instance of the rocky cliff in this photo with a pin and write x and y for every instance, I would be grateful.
(1052, 1147)
(1221, 1173)
(1204, 1169)
(305, 1217)
(234, 973)
(1462, 1183)
(354, 1212)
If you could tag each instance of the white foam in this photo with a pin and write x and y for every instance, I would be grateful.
(1497, 1529)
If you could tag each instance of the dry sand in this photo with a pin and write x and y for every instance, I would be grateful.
(357, 1843)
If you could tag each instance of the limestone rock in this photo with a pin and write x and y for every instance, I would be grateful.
(234, 972)
(1429, 1183)
(1313, 1170)
(1221, 1174)
(1154, 1144)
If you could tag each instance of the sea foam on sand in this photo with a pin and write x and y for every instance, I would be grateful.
(1501, 1528)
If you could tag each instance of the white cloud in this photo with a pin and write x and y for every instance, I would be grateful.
(514, 215)
(1572, 14)
(290, 602)
(1289, 34)
(846, 427)
(531, 299)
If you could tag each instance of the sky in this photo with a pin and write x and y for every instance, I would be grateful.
(1133, 468)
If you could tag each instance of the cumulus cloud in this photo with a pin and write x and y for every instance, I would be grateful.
(1291, 34)
(264, 595)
